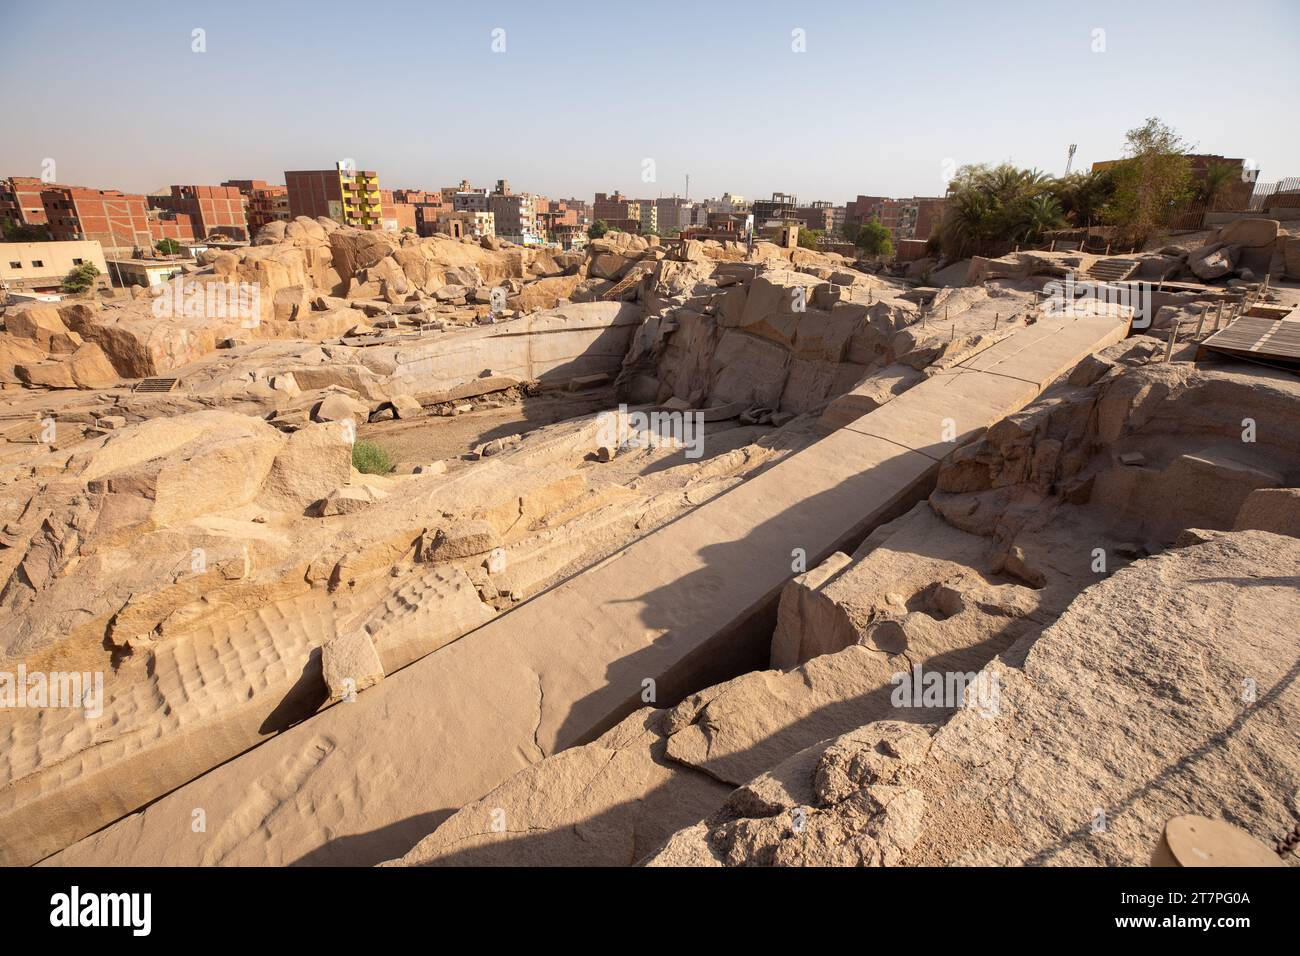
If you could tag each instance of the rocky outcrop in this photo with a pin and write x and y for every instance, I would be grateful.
(1129, 710)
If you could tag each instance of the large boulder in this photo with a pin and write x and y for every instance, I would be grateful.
(91, 368)
(314, 461)
(40, 323)
(15, 352)
(1213, 262)
(167, 471)
(355, 249)
(1249, 232)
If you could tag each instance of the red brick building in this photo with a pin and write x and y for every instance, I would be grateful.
(397, 214)
(212, 210)
(167, 224)
(349, 197)
(264, 203)
(117, 221)
(20, 201)
(618, 212)
(914, 218)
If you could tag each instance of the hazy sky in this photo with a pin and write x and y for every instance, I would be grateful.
(584, 94)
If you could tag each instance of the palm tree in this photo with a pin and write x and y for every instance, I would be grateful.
(1214, 186)
(1083, 195)
(1041, 214)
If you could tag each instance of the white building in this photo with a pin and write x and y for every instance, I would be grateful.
(42, 266)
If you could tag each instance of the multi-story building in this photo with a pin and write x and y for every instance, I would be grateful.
(617, 211)
(267, 205)
(477, 223)
(570, 236)
(349, 196)
(470, 200)
(20, 201)
(42, 266)
(263, 202)
(914, 218)
(515, 215)
(861, 211)
(118, 221)
(819, 216)
(397, 216)
(777, 211)
(648, 215)
(169, 224)
(729, 203)
(212, 210)
(553, 216)
(581, 208)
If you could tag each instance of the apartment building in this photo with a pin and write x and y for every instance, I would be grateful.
(20, 201)
(118, 221)
(729, 203)
(913, 218)
(818, 215)
(211, 210)
(617, 211)
(351, 197)
(264, 203)
(777, 211)
(515, 215)
(397, 215)
(470, 200)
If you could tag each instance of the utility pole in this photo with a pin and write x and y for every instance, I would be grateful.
(1069, 162)
(688, 187)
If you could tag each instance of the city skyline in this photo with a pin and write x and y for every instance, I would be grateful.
(547, 103)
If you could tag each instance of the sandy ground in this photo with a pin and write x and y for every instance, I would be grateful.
(438, 437)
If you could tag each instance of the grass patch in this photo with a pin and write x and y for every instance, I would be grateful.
(369, 459)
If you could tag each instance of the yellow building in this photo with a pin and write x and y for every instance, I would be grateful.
(348, 196)
(362, 206)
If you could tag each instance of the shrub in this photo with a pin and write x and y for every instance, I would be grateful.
(369, 459)
(80, 279)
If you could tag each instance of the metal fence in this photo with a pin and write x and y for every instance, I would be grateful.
(1283, 194)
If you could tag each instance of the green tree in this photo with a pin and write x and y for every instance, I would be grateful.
(992, 207)
(168, 247)
(1042, 213)
(597, 229)
(1152, 182)
(80, 279)
(874, 239)
(808, 238)
(1083, 196)
(19, 232)
(1216, 184)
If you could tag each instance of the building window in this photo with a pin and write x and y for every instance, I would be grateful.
(37, 263)
(77, 262)
(15, 265)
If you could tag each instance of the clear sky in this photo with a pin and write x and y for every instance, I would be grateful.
(884, 97)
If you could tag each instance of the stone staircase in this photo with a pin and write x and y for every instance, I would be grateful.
(1113, 269)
